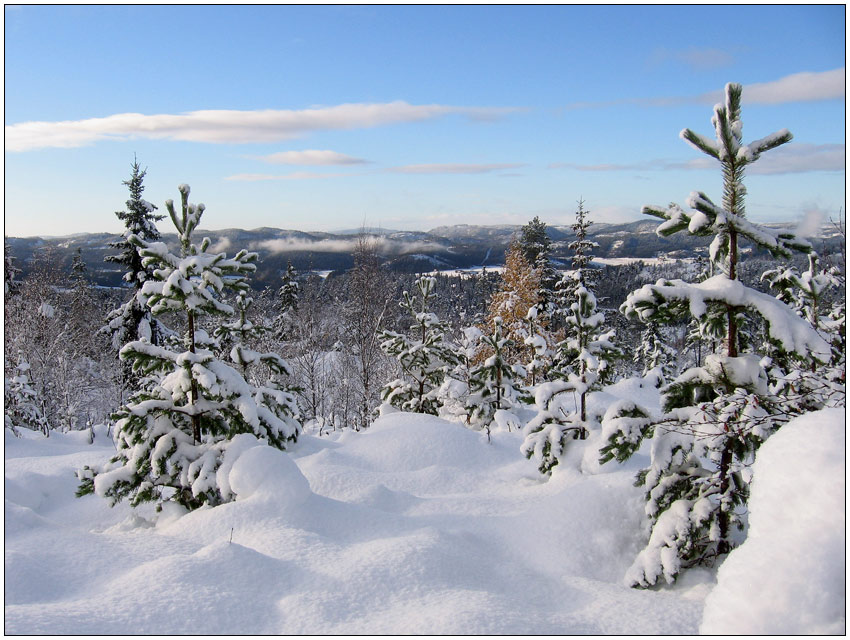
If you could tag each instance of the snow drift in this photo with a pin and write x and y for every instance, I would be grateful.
(788, 577)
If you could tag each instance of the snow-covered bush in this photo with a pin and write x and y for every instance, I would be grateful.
(172, 435)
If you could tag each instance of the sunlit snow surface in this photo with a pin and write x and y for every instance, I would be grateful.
(415, 526)
(789, 576)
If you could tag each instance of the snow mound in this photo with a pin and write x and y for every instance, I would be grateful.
(264, 472)
(788, 576)
(410, 442)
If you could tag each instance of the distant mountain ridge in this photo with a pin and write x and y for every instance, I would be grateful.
(448, 247)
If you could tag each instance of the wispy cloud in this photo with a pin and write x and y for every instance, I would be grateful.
(453, 168)
(791, 158)
(311, 157)
(695, 57)
(297, 175)
(797, 87)
(230, 126)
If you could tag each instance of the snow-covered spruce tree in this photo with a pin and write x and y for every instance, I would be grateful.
(453, 393)
(495, 386)
(654, 354)
(287, 296)
(133, 320)
(22, 407)
(171, 436)
(716, 415)
(581, 364)
(424, 356)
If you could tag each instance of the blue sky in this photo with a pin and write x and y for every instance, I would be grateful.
(329, 117)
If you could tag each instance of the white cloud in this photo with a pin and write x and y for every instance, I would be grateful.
(797, 87)
(801, 158)
(296, 175)
(312, 157)
(790, 158)
(453, 168)
(229, 126)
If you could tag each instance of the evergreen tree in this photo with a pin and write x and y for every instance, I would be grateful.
(424, 357)
(453, 394)
(172, 435)
(495, 386)
(581, 363)
(537, 248)
(716, 415)
(133, 320)
(803, 386)
(21, 404)
(288, 302)
(654, 354)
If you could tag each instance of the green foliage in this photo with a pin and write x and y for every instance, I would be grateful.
(424, 356)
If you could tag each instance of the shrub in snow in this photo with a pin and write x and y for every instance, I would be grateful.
(172, 435)
(716, 415)
(424, 356)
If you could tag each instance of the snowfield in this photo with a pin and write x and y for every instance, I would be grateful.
(414, 526)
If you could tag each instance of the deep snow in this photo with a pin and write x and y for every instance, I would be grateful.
(414, 526)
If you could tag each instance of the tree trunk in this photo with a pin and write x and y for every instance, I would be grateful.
(732, 336)
(196, 419)
(723, 545)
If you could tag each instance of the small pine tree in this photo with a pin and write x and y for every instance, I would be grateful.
(424, 356)
(715, 415)
(581, 364)
(495, 385)
(453, 394)
(22, 406)
(172, 435)
(654, 354)
(287, 296)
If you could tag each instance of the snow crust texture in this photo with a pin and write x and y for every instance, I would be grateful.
(414, 526)
(788, 577)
